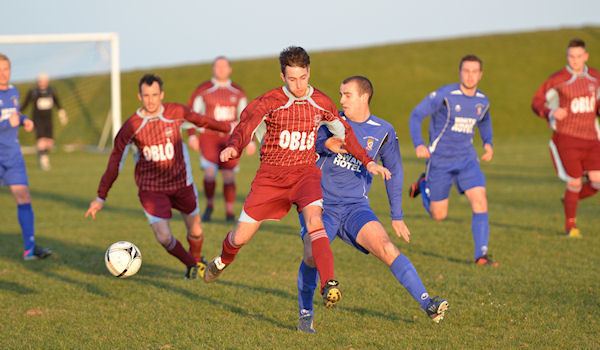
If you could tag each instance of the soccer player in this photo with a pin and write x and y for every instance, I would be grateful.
(346, 209)
(43, 98)
(568, 100)
(162, 170)
(455, 111)
(12, 166)
(286, 119)
(222, 100)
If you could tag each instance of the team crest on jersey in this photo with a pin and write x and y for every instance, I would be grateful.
(370, 143)
(478, 108)
(168, 131)
(457, 108)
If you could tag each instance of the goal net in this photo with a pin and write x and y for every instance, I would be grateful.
(83, 71)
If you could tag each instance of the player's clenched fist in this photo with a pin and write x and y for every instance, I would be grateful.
(28, 125)
(227, 154)
(422, 152)
(95, 206)
(489, 153)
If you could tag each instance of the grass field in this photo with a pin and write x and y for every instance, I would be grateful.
(546, 294)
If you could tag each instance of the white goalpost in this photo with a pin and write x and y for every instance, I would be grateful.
(114, 113)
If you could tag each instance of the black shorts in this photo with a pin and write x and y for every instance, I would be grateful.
(43, 128)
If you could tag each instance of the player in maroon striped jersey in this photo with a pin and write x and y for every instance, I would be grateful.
(286, 120)
(222, 100)
(162, 170)
(568, 100)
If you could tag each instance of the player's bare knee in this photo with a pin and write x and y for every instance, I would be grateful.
(164, 239)
(196, 232)
(314, 222)
(574, 185)
(390, 252)
(439, 215)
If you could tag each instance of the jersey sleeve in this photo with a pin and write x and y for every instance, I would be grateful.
(202, 121)
(322, 135)
(56, 99)
(545, 99)
(242, 104)
(250, 119)
(339, 128)
(426, 107)
(485, 128)
(116, 159)
(391, 159)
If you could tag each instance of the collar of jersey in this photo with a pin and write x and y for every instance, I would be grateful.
(292, 97)
(216, 83)
(159, 115)
(570, 70)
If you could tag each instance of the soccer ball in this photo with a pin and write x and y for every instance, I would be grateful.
(123, 259)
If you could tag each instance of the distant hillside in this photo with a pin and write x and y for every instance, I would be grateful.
(514, 66)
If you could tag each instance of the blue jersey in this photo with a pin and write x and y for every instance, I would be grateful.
(454, 116)
(345, 180)
(9, 136)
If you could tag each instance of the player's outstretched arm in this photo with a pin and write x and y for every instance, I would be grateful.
(122, 140)
(251, 120)
(485, 131)
(95, 206)
(202, 121)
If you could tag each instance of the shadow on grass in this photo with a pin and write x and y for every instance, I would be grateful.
(15, 288)
(82, 203)
(82, 258)
(211, 302)
(90, 260)
(286, 295)
(442, 257)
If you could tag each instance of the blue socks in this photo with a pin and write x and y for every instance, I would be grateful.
(480, 226)
(425, 196)
(25, 215)
(402, 268)
(405, 273)
(307, 283)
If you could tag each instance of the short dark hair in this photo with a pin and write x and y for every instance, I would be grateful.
(149, 79)
(293, 56)
(576, 42)
(470, 58)
(364, 85)
(3, 57)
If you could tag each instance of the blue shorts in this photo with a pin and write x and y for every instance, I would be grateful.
(13, 172)
(344, 221)
(441, 173)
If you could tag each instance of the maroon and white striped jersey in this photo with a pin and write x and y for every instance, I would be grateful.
(219, 101)
(578, 94)
(162, 161)
(287, 127)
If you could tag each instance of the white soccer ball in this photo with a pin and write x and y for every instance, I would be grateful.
(123, 259)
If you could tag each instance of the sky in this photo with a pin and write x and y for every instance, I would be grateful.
(170, 32)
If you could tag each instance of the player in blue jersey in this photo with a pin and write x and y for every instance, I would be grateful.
(12, 165)
(346, 210)
(455, 111)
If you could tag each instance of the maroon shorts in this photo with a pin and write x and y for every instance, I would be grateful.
(573, 156)
(211, 146)
(276, 188)
(158, 205)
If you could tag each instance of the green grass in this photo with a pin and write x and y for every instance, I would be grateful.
(546, 294)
